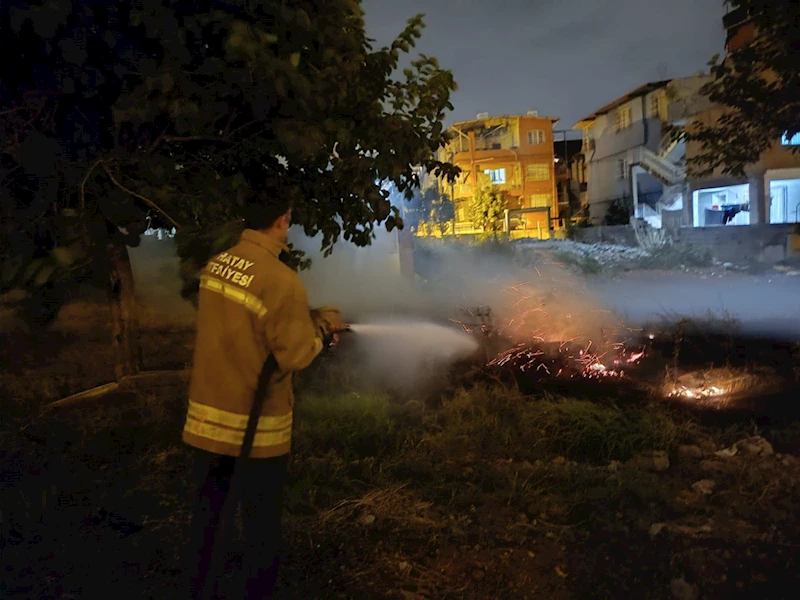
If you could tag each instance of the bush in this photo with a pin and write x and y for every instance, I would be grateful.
(620, 212)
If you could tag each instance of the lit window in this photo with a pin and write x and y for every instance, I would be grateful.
(497, 176)
(540, 200)
(535, 137)
(622, 169)
(537, 172)
(655, 106)
(622, 119)
(791, 141)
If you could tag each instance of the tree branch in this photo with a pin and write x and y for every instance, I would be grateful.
(189, 138)
(147, 201)
(12, 110)
(85, 179)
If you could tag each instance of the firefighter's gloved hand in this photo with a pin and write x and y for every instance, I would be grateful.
(329, 322)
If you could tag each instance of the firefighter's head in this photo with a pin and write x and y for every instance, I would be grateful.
(270, 213)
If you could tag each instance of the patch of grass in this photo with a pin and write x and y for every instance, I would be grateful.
(355, 424)
(346, 445)
(586, 264)
(341, 444)
(502, 423)
(673, 256)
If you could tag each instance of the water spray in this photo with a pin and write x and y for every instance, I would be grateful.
(405, 353)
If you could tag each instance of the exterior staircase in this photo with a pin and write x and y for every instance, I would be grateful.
(659, 167)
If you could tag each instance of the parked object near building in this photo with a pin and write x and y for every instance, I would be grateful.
(514, 155)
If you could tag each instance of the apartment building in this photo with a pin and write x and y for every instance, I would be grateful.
(633, 156)
(512, 154)
(632, 153)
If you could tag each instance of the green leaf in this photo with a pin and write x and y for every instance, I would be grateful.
(44, 274)
(267, 38)
(11, 269)
(67, 255)
(31, 269)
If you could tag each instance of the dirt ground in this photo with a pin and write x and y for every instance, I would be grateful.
(480, 488)
(490, 494)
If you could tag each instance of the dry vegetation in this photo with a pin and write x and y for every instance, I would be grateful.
(481, 493)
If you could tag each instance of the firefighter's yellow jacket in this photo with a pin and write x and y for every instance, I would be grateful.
(250, 304)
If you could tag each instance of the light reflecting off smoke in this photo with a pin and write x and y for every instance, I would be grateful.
(405, 352)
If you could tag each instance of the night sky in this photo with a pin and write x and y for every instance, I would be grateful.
(564, 58)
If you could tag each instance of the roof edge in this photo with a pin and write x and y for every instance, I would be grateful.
(636, 93)
(553, 120)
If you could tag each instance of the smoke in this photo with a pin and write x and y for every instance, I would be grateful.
(529, 293)
(156, 273)
(410, 328)
(453, 279)
(406, 354)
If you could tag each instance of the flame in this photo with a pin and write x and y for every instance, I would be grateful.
(565, 362)
(711, 391)
(553, 342)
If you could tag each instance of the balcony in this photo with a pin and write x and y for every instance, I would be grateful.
(463, 190)
(467, 190)
(736, 17)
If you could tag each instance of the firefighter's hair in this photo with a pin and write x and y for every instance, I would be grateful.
(265, 208)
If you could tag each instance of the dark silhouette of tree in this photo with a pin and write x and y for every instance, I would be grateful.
(431, 209)
(115, 111)
(758, 88)
(487, 208)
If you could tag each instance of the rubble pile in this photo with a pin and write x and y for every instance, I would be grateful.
(608, 255)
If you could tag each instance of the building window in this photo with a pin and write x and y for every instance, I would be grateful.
(537, 172)
(541, 200)
(461, 212)
(655, 106)
(497, 176)
(535, 137)
(622, 169)
(622, 119)
(791, 141)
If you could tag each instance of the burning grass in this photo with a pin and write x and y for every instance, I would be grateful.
(549, 334)
(719, 387)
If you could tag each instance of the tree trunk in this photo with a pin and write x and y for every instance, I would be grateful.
(125, 336)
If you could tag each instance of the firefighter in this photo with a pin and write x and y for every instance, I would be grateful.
(254, 330)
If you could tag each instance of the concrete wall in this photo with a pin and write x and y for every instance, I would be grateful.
(738, 245)
(620, 235)
(684, 98)
(611, 143)
(760, 243)
(605, 186)
(776, 157)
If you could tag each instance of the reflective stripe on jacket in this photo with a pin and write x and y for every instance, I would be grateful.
(250, 304)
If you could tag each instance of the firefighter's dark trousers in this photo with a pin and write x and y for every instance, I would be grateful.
(257, 488)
